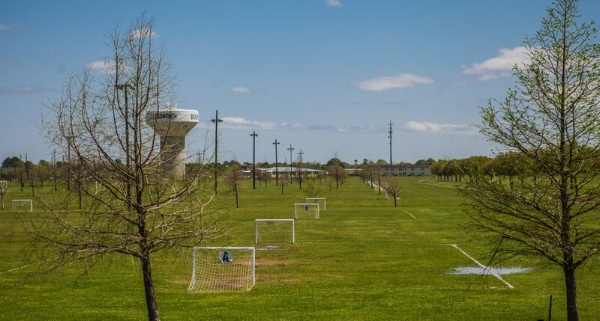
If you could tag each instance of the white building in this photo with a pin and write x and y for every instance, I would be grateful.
(284, 171)
(405, 170)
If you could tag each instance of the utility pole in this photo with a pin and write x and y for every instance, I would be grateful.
(276, 166)
(29, 176)
(300, 168)
(291, 168)
(254, 134)
(216, 120)
(390, 137)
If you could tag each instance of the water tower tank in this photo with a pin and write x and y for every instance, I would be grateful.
(172, 125)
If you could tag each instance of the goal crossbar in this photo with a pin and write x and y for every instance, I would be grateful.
(274, 221)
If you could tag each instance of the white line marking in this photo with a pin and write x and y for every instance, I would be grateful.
(486, 269)
(410, 214)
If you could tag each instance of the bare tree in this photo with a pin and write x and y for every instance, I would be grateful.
(3, 190)
(131, 204)
(393, 188)
(232, 176)
(550, 122)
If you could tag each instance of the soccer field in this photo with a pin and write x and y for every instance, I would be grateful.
(362, 259)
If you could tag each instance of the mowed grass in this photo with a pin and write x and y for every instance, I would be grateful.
(364, 259)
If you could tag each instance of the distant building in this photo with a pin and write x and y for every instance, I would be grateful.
(405, 170)
(284, 171)
(353, 171)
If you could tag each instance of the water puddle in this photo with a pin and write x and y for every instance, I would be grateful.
(490, 271)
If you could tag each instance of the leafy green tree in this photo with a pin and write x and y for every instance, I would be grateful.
(381, 162)
(12, 162)
(550, 121)
(473, 165)
(451, 169)
(429, 161)
(438, 167)
(42, 172)
(12, 167)
(336, 161)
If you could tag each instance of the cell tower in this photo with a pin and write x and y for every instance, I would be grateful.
(172, 125)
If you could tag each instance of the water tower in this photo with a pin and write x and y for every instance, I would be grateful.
(172, 125)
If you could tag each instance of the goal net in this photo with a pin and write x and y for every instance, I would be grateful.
(306, 210)
(274, 231)
(321, 200)
(3, 186)
(222, 269)
(22, 205)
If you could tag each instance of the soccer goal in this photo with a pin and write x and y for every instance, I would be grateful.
(223, 269)
(274, 230)
(24, 205)
(306, 209)
(3, 186)
(321, 200)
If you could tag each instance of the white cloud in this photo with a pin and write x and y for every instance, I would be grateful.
(101, 66)
(26, 89)
(4, 27)
(139, 33)
(500, 66)
(447, 129)
(334, 3)
(292, 126)
(17, 90)
(393, 82)
(242, 90)
(241, 123)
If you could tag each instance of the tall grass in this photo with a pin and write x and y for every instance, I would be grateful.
(364, 259)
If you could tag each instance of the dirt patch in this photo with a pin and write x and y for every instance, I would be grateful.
(265, 262)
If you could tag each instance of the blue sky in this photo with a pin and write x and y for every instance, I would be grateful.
(326, 76)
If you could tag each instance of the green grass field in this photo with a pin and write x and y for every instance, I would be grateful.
(362, 260)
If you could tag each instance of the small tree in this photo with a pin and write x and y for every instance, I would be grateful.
(3, 189)
(232, 175)
(392, 187)
(335, 167)
(42, 172)
(550, 123)
(139, 207)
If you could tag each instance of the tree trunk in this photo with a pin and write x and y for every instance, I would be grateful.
(571, 289)
(151, 304)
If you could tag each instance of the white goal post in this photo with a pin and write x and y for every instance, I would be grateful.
(274, 230)
(223, 269)
(306, 208)
(320, 200)
(22, 204)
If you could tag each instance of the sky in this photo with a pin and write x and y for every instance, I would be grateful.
(324, 77)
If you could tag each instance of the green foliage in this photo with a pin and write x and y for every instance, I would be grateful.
(549, 124)
(311, 188)
(12, 162)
